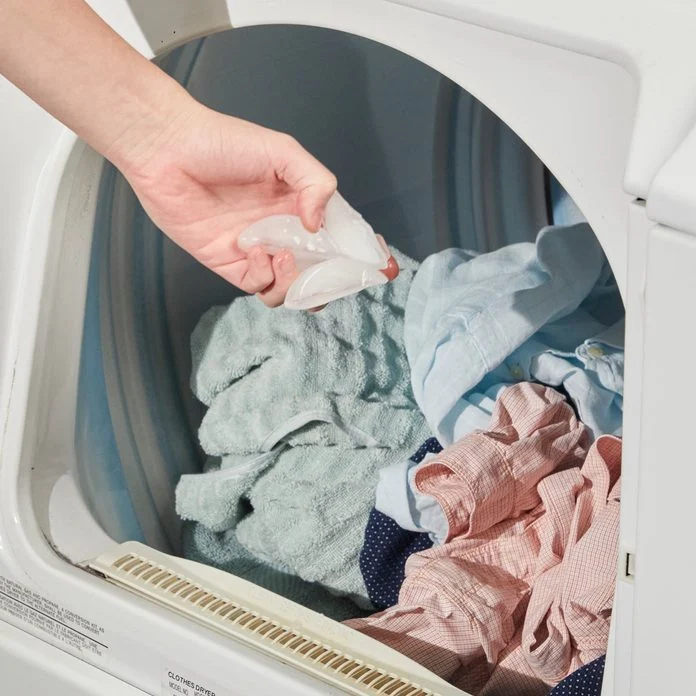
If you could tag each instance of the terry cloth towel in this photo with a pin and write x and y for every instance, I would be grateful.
(388, 545)
(304, 411)
(544, 312)
(521, 593)
(222, 550)
(265, 374)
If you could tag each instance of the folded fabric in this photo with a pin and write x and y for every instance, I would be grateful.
(587, 681)
(521, 593)
(223, 551)
(310, 511)
(304, 411)
(218, 497)
(565, 211)
(396, 496)
(591, 374)
(468, 315)
(388, 545)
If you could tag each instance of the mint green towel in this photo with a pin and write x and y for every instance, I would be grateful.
(304, 410)
(266, 373)
(225, 552)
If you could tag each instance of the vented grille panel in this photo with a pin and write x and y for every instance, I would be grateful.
(351, 673)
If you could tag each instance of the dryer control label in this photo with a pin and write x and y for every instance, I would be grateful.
(24, 606)
(182, 682)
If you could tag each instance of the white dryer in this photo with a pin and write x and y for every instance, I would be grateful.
(448, 122)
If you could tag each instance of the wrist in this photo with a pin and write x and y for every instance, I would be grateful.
(152, 112)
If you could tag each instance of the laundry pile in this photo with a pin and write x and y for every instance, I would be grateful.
(520, 591)
(444, 449)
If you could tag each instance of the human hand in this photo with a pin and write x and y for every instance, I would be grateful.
(204, 177)
(201, 176)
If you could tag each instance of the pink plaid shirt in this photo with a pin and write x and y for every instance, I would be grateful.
(520, 595)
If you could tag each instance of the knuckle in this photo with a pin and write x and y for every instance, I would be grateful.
(253, 284)
(331, 182)
(288, 140)
(261, 275)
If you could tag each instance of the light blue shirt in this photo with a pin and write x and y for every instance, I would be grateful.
(548, 312)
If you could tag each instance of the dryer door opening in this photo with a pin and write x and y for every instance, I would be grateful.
(424, 162)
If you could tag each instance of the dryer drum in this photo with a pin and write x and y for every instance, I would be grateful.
(423, 161)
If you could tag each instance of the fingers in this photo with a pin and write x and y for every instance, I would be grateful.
(259, 274)
(270, 278)
(314, 183)
(285, 272)
(312, 202)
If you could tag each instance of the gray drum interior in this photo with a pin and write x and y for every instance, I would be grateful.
(426, 164)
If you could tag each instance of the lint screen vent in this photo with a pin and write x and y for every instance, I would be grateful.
(230, 617)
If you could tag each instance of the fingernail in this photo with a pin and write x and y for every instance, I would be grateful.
(287, 264)
(314, 221)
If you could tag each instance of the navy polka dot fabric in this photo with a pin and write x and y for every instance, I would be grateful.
(430, 446)
(587, 681)
(387, 547)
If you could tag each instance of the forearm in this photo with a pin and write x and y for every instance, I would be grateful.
(69, 61)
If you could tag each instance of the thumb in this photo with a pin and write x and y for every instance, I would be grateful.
(312, 181)
(312, 201)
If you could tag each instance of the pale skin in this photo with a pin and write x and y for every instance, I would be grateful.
(201, 176)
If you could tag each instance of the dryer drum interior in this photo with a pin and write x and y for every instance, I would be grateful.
(428, 165)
